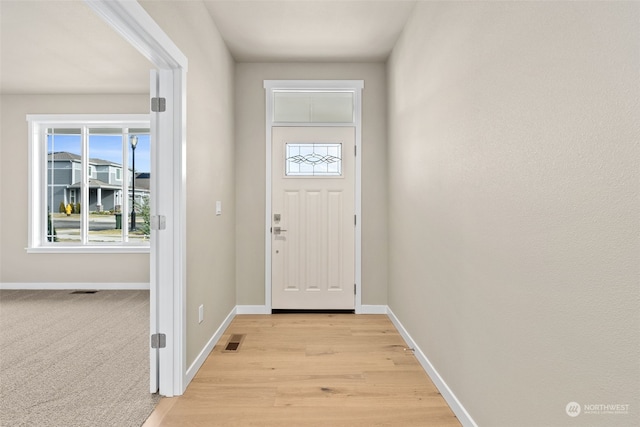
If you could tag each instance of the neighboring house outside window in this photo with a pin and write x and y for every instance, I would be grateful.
(81, 195)
(105, 176)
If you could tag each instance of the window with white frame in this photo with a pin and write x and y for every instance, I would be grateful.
(313, 106)
(84, 195)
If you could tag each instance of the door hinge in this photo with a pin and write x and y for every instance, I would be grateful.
(158, 341)
(355, 150)
(354, 289)
(158, 105)
(355, 220)
(158, 222)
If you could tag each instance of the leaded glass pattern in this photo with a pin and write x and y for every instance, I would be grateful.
(315, 159)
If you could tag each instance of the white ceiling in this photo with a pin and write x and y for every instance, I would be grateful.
(61, 46)
(64, 47)
(310, 30)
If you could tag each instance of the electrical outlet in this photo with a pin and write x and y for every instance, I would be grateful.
(201, 313)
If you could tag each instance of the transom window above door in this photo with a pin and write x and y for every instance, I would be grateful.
(297, 106)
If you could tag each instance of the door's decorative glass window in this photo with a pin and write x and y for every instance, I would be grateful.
(316, 159)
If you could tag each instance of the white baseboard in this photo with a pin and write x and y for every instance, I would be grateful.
(197, 364)
(372, 309)
(40, 286)
(252, 309)
(445, 391)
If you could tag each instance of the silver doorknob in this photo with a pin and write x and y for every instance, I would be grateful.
(277, 230)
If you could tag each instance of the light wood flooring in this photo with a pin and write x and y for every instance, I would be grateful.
(309, 370)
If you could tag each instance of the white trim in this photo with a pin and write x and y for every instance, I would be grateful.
(199, 361)
(133, 23)
(373, 309)
(179, 248)
(316, 125)
(118, 120)
(358, 206)
(252, 309)
(154, 310)
(268, 193)
(35, 179)
(445, 391)
(42, 286)
(323, 85)
(88, 249)
(170, 189)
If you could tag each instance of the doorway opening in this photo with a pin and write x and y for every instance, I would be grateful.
(167, 217)
(313, 149)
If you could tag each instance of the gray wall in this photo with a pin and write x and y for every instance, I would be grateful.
(513, 204)
(16, 266)
(210, 166)
(250, 171)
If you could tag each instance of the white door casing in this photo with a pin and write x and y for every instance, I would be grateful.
(313, 228)
(154, 364)
(168, 190)
(273, 86)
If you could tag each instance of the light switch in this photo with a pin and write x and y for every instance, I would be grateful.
(218, 207)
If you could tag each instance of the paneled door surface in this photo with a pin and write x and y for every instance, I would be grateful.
(312, 218)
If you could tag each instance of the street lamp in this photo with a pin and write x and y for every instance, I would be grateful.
(134, 142)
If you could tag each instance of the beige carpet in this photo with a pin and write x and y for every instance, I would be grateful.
(74, 359)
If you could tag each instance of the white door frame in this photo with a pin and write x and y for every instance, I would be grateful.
(168, 190)
(356, 87)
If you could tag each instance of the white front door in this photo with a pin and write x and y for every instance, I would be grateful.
(312, 218)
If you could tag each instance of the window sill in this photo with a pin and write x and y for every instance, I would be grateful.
(121, 249)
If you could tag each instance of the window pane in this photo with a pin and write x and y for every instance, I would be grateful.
(332, 107)
(313, 160)
(64, 168)
(105, 191)
(293, 107)
(313, 107)
(138, 187)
